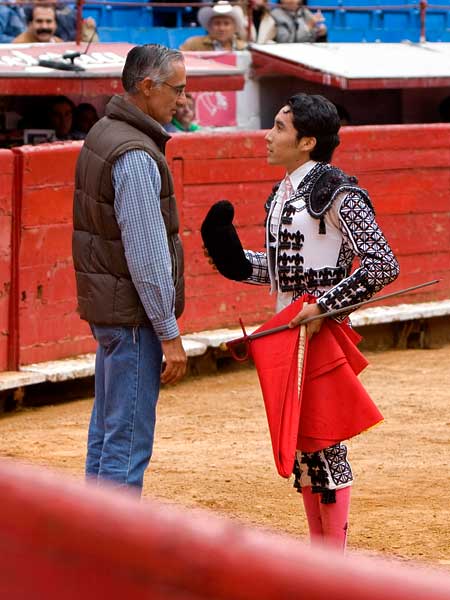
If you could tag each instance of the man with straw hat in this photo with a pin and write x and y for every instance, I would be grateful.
(224, 24)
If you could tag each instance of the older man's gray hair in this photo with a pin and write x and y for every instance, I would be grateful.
(150, 60)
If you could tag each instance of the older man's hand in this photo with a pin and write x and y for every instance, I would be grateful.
(176, 360)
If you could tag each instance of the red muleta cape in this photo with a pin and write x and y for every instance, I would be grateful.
(333, 405)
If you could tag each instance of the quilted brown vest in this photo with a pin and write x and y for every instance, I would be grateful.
(106, 294)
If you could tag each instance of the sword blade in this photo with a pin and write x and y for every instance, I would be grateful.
(337, 311)
(340, 311)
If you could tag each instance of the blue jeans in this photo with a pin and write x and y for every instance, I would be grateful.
(127, 380)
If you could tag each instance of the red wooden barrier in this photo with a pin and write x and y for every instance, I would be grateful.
(6, 194)
(404, 167)
(406, 170)
(64, 540)
(49, 326)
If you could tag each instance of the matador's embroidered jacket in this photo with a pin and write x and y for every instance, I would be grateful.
(322, 229)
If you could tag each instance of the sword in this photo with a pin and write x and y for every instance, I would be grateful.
(246, 339)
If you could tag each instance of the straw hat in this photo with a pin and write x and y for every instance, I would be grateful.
(221, 9)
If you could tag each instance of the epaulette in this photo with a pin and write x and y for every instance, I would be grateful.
(327, 186)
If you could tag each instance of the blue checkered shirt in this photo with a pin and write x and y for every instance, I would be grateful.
(137, 185)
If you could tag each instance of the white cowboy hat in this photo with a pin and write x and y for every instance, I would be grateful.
(221, 9)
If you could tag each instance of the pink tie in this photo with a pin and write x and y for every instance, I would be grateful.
(288, 189)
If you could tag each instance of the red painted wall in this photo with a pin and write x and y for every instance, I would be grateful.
(50, 327)
(407, 171)
(6, 193)
(405, 168)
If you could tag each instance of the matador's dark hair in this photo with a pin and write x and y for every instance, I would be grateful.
(315, 116)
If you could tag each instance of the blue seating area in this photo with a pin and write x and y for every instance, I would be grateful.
(115, 15)
(354, 23)
(171, 37)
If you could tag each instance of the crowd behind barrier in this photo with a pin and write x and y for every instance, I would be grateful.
(397, 163)
(171, 23)
(38, 119)
(346, 21)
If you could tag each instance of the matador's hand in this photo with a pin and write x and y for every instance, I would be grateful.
(308, 310)
(210, 260)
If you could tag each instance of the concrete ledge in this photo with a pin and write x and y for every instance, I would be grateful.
(215, 337)
(63, 369)
(84, 365)
(402, 312)
(197, 344)
(11, 380)
(194, 347)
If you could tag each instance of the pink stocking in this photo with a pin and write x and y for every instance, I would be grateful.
(335, 519)
(311, 503)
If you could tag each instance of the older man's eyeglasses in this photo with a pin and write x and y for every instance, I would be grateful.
(178, 89)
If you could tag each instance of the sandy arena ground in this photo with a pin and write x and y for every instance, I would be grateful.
(213, 450)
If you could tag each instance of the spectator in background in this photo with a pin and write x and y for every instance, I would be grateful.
(13, 22)
(41, 26)
(60, 118)
(264, 27)
(84, 116)
(184, 117)
(295, 23)
(224, 23)
(66, 22)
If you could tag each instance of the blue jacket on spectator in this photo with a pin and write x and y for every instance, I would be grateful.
(66, 19)
(12, 22)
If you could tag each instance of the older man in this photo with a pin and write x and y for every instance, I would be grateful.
(224, 23)
(129, 263)
(41, 26)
